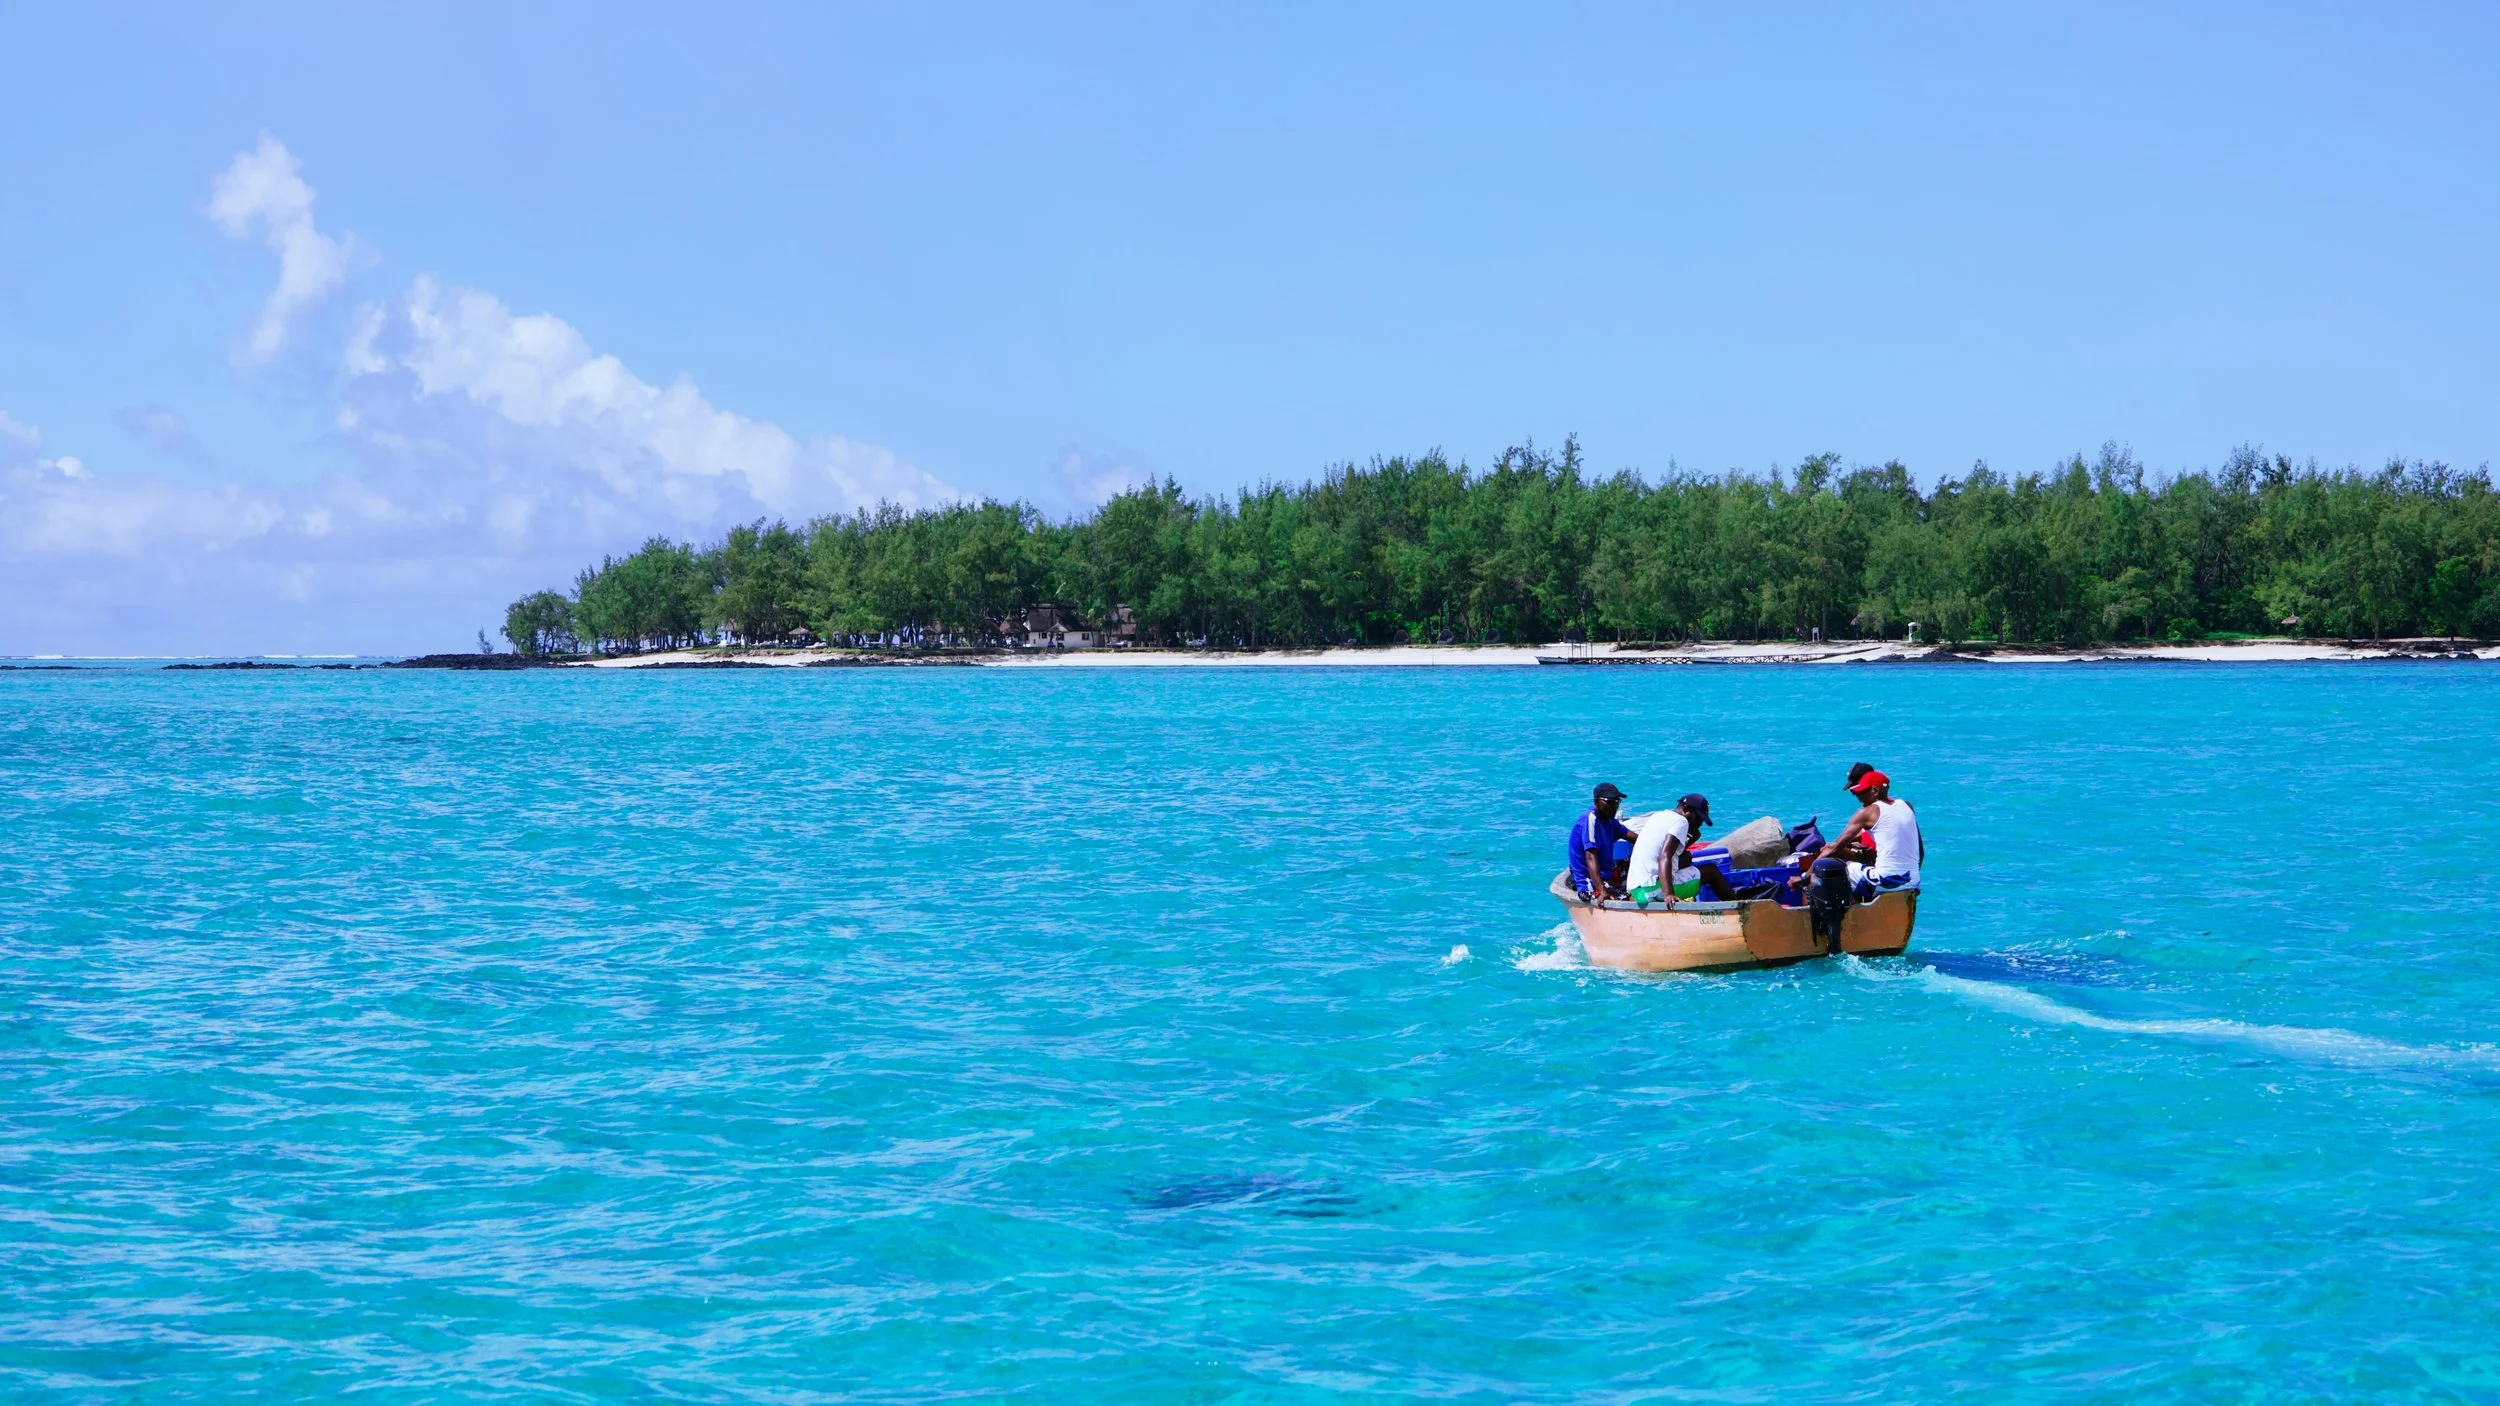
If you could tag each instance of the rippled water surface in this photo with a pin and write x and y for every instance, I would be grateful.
(892, 1035)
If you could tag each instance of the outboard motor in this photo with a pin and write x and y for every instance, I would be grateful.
(1827, 901)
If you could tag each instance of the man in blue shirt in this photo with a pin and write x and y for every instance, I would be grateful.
(1593, 840)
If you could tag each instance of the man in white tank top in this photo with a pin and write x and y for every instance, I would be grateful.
(1890, 824)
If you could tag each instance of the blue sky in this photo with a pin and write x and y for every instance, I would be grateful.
(567, 275)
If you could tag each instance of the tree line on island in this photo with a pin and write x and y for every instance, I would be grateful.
(1534, 549)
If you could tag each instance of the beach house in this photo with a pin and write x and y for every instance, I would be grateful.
(1054, 626)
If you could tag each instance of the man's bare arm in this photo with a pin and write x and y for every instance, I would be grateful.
(1857, 826)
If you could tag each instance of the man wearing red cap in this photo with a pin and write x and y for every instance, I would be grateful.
(1890, 824)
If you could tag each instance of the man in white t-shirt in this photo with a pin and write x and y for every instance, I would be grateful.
(1661, 864)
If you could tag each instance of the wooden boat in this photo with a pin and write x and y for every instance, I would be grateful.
(1708, 937)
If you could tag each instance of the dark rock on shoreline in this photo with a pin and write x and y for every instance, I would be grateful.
(472, 661)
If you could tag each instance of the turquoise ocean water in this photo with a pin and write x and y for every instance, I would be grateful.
(908, 1034)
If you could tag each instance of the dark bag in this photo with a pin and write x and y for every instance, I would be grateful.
(1806, 836)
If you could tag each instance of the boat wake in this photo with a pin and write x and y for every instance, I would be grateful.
(1565, 954)
(2312, 1044)
(2033, 967)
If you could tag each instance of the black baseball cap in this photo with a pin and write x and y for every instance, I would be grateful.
(1697, 803)
(1609, 791)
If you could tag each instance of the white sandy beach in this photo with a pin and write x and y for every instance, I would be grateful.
(2265, 651)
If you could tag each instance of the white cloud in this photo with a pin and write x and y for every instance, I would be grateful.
(113, 563)
(52, 507)
(262, 190)
(454, 366)
(1090, 480)
(21, 459)
(482, 453)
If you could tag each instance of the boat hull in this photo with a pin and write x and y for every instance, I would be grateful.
(1701, 937)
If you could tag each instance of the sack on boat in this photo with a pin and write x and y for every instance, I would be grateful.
(1756, 843)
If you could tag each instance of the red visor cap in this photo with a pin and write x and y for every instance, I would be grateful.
(1869, 782)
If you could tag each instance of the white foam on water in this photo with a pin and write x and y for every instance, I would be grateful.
(1457, 955)
(2315, 1044)
(1566, 953)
